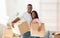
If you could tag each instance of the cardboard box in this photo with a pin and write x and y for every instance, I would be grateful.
(7, 33)
(34, 31)
(57, 35)
(23, 28)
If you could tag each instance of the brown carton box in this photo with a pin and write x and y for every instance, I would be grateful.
(7, 33)
(23, 28)
(34, 31)
(57, 35)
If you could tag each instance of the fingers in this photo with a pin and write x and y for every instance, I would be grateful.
(10, 25)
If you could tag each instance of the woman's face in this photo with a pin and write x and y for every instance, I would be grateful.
(33, 15)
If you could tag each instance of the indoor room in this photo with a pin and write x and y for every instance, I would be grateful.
(48, 12)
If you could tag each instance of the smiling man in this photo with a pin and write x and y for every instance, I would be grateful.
(26, 16)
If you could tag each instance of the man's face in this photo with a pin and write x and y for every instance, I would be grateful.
(29, 9)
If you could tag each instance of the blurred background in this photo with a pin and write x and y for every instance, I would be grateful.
(48, 11)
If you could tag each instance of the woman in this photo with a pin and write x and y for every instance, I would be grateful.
(35, 19)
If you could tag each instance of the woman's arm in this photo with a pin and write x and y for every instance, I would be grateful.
(38, 21)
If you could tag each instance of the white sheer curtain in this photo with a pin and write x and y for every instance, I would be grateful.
(58, 15)
(49, 14)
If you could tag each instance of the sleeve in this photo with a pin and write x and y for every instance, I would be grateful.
(21, 16)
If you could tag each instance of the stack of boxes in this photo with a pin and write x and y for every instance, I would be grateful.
(7, 33)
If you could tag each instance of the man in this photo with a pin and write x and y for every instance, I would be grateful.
(27, 17)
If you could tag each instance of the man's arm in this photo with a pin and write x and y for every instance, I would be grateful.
(16, 20)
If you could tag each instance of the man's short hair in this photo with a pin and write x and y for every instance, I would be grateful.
(29, 5)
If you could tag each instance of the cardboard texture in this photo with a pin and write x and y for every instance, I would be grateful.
(23, 28)
(56, 36)
(7, 32)
(34, 31)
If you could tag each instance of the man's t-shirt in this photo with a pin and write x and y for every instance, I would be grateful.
(26, 16)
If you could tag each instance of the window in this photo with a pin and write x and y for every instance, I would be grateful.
(58, 15)
(48, 9)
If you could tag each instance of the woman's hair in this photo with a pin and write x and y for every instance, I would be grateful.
(36, 15)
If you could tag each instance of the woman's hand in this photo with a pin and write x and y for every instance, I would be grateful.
(39, 29)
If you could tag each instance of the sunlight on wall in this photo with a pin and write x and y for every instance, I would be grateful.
(3, 12)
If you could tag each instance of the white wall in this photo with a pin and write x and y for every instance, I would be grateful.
(3, 12)
(11, 8)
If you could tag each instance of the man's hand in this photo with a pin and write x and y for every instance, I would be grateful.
(13, 25)
(10, 25)
(14, 21)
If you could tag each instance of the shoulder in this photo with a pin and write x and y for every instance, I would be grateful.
(36, 19)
